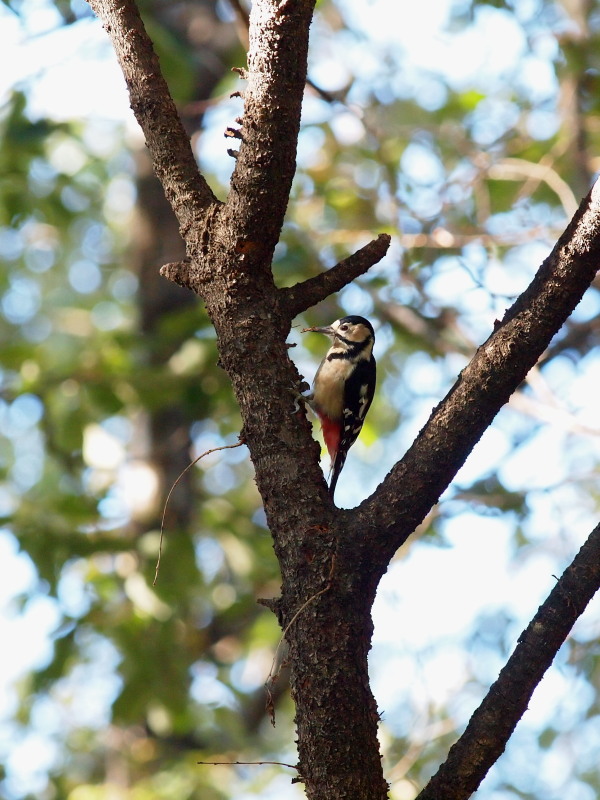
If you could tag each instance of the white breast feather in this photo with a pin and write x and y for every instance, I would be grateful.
(329, 388)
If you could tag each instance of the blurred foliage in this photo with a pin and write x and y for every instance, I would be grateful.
(474, 165)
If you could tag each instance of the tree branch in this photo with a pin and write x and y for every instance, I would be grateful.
(266, 162)
(172, 156)
(296, 299)
(493, 722)
(498, 367)
(230, 248)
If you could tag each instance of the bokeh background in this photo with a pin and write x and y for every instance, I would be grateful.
(467, 130)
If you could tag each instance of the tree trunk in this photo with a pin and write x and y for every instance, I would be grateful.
(331, 560)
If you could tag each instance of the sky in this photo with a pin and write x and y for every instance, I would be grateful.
(474, 572)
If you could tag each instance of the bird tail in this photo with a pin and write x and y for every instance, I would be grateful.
(337, 465)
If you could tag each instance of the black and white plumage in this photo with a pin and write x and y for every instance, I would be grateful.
(344, 386)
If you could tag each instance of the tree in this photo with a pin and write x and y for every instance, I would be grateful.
(331, 560)
(102, 387)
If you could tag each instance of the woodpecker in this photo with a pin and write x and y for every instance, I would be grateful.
(343, 387)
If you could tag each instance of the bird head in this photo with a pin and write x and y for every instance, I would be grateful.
(351, 329)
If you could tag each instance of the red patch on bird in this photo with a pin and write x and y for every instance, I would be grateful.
(332, 433)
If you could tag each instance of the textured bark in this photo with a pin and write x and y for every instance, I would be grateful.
(331, 560)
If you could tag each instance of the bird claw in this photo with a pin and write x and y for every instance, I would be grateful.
(299, 398)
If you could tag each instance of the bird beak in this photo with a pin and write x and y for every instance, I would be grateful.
(328, 331)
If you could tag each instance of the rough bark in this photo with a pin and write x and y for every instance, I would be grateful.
(331, 560)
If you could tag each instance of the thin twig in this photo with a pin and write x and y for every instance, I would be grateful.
(252, 763)
(273, 675)
(179, 477)
(301, 609)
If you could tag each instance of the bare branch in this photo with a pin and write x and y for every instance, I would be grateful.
(155, 111)
(246, 763)
(305, 294)
(483, 387)
(493, 722)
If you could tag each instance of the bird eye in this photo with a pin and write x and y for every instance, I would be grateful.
(343, 327)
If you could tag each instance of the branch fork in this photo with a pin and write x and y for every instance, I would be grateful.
(252, 318)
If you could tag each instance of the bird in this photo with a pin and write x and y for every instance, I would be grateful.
(343, 387)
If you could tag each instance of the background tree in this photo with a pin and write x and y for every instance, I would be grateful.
(117, 378)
